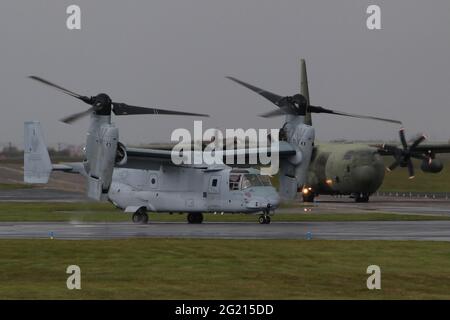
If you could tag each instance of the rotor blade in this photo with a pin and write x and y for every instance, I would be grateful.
(76, 116)
(403, 138)
(272, 97)
(317, 109)
(410, 169)
(394, 165)
(64, 90)
(278, 112)
(417, 142)
(122, 109)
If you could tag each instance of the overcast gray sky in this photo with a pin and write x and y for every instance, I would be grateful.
(175, 54)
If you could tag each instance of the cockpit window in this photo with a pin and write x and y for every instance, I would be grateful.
(235, 179)
(244, 181)
(265, 180)
(254, 180)
(369, 155)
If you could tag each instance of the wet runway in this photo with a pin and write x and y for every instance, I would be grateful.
(380, 230)
(379, 204)
(323, 204)
(383, 230)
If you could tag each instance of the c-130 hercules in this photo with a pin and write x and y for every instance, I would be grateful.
(354, 169)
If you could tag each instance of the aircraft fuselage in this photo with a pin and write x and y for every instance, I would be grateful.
(187, 189)
(345, 168)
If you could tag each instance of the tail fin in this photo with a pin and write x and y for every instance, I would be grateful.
(304, 90)
(37, 164)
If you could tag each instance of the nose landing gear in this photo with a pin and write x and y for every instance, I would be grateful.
(308, 194)
(265, 218)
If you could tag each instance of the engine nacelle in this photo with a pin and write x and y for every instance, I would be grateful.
(433, 165)
(293, 171)
(121, 154)
(101, 151)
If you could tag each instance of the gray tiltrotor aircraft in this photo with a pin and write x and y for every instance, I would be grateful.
(142, 180)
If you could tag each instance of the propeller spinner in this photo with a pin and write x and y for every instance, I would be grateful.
(298, 105)
(102, 104)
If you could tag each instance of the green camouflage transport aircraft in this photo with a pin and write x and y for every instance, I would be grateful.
(353, 169)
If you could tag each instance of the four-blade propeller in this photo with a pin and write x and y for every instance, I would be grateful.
(298, 105)
(404, 154)
(103, 105)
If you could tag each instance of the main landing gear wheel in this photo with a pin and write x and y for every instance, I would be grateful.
(195, 217)
(362, 197)
(309, 197)
(264, 219)
(140, 216)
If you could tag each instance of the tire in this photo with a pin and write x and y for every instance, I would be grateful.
(262, 219)
(364, 198)
(140, 216)
(195, 217)
(136, 217)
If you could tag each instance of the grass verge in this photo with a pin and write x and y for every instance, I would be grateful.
(14, 186)
(223, 269)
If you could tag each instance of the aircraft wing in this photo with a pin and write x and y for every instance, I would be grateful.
(157, 154)
(143, 158)
(420, 149)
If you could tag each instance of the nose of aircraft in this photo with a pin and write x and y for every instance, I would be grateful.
(365, 176)
(274, 200)
(271, 200)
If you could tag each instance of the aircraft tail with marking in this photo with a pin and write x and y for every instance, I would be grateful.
(37, 164)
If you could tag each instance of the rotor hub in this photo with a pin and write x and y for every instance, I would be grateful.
(102, 104)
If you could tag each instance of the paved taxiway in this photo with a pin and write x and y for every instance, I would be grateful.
(324, 204)
(381, 230)
(378, 204)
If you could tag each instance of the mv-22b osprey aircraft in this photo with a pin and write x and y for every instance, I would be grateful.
(354, 169)
(141, 180)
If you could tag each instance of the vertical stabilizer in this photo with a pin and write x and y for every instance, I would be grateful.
(37, 165)
(304, 90)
